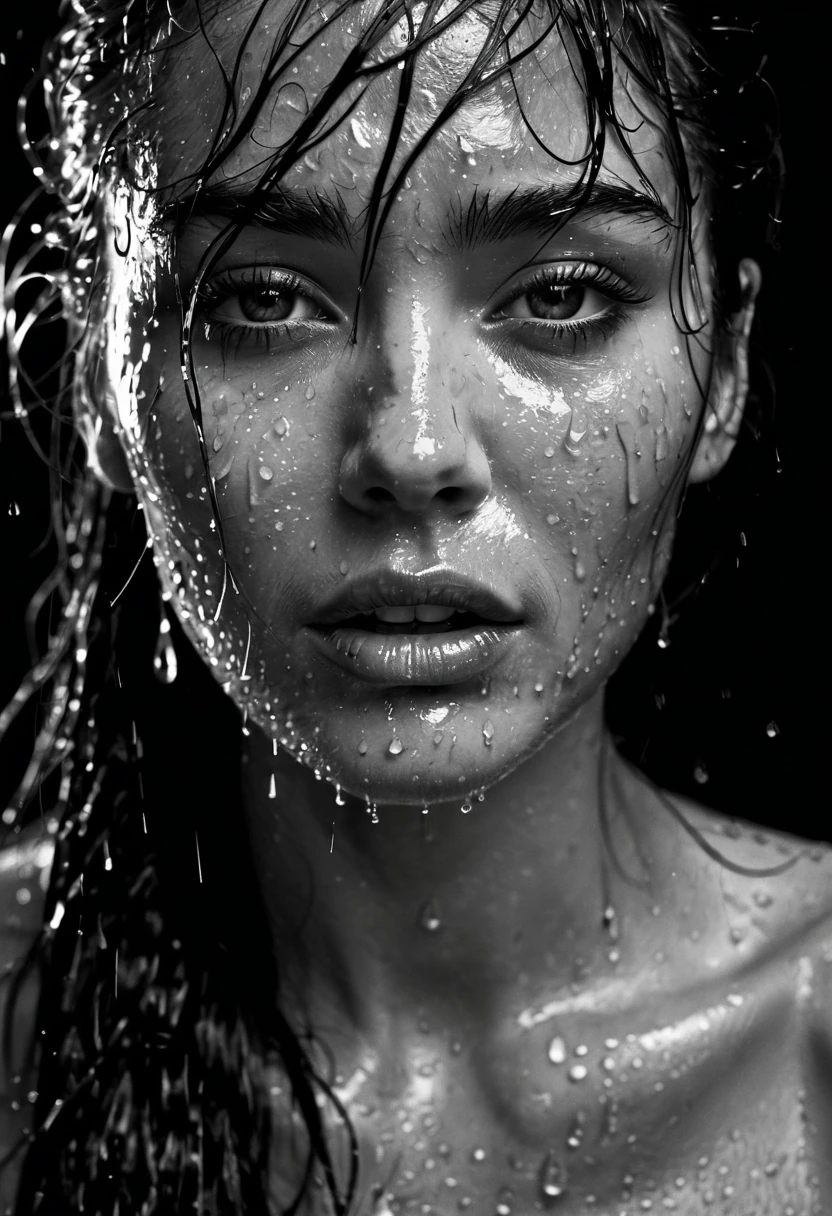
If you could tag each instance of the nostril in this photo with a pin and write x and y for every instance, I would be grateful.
(380, 495)
(453, 495)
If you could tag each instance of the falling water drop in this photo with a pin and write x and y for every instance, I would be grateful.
(340, 800)
(396, 746)
(14, 509)
(487, 732)
(552, 1179)
(272, 787)
(429, 917)
(700, 774)
(164, 658)
(466, 806)
(425, 809)
(772, 730)
(557, 1050)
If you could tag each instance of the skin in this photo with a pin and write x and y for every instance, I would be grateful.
(458, 431)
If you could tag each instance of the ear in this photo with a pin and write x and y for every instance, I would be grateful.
(105, 454)
(729, 383)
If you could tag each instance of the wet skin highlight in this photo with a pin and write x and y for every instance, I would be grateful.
(515, 407)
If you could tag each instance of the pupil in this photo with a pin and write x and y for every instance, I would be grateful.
(556, 302)
(264, 303)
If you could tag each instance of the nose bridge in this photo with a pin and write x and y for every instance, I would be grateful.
(418, 441)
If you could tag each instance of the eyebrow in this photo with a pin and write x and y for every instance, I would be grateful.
(310, 213)
(486, 217)
(543, 210)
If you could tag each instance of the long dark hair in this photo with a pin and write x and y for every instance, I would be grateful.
(160, 1027)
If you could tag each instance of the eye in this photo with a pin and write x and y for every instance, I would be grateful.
(552, 301)
(254, 299)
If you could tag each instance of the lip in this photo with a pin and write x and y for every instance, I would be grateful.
(417, 658)
(426, 658)
(447, 588)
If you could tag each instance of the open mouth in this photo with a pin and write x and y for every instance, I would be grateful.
(418, 619)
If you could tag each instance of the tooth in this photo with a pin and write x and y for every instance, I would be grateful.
(433, 613)
(396, 616)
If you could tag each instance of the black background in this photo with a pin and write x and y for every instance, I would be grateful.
(749, 650)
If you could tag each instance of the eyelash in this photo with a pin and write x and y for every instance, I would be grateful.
(226, 285)
(602, 326)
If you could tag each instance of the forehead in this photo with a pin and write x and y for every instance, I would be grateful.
(529, 124)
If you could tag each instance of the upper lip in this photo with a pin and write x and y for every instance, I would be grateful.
(386, 588)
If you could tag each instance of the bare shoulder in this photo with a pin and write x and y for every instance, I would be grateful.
(25, 862)
(787, 881)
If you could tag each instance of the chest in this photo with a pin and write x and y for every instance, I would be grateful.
(702, 1114)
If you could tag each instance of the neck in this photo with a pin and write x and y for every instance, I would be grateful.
(507, 898)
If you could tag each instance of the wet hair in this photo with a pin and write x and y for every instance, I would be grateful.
(160, 1030)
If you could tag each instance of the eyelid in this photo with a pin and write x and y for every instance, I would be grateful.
(592, 274)
(226, 282)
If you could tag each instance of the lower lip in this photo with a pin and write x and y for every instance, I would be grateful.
(418, 658)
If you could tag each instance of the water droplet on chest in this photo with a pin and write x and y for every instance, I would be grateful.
(552, 1180)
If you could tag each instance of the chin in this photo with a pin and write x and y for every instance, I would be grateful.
(409, 761)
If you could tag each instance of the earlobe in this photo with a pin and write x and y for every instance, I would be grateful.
(729, 386)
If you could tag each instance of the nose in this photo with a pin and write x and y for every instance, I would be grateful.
(417, 458)
(417, 447)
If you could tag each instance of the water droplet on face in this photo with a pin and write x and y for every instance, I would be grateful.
(626, 434)
(437, 737)
(217, 442)
(396, 747)
(578, 1072)
(478, 1154)
(344, 567)
(429, 918)
(293, 96)
(551, 520)
(577, 429)
(661, 442)
(310, 393)
(557, 1050)
(548, 453)
(359, 134)
(552, 1179)
(265, 472)
(281, 428)
(362, 747)
(487, 732)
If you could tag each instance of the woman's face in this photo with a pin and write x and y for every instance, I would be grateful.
(446, 527)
